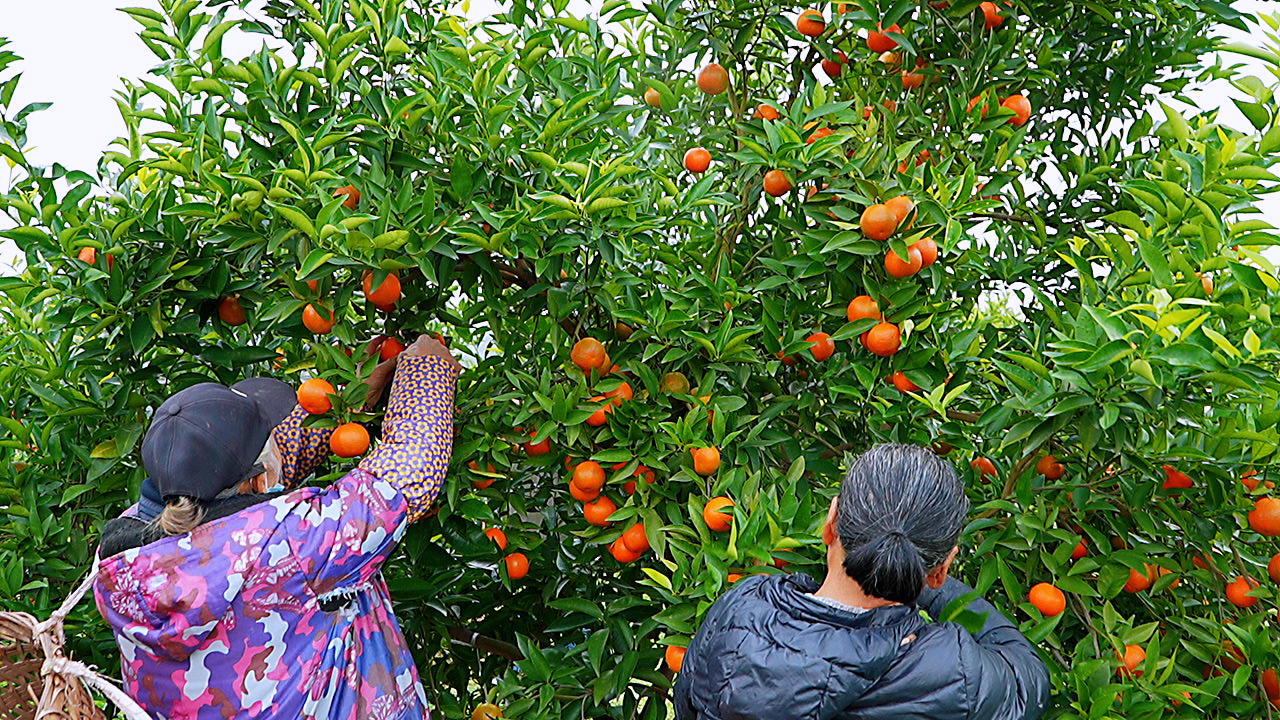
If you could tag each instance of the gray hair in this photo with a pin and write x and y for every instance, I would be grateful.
(900, 512)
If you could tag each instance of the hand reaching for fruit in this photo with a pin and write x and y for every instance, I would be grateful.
(422, 347)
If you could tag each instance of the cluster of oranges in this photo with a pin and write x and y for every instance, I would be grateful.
(348, 439)
(588, 477)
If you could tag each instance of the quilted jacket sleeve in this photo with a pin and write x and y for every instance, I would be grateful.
(1003, 674)
(344, 533)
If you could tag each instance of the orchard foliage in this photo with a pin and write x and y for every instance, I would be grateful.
(1100, 294)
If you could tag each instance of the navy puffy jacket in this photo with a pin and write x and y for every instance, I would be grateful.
(769, 651)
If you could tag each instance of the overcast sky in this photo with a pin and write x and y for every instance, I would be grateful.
(75, 52)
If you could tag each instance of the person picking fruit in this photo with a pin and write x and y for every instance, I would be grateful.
(229, 597)
(856, 645)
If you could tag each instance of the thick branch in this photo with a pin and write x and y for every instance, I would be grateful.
(490, 645)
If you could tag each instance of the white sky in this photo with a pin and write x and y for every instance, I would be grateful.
(75, 51)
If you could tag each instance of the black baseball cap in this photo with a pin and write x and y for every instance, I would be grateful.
(206, 438)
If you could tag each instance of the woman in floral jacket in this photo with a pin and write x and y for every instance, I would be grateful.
(228, 601)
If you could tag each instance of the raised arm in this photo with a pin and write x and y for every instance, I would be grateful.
(417, 432)
(1005, 673)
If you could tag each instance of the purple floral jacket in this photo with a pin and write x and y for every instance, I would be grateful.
(280, 610)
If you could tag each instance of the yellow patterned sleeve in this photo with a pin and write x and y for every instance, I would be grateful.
(302, 449)
(417, 432)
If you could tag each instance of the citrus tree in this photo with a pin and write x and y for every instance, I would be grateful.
(693, 256)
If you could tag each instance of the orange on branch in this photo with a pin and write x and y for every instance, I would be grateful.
(349, 440)
(1048, 599)
(884, 339)
(517, 565)
(697, 160)
(810, 23)
(776, 183)
(821, 345)
(674, 657)
(879, 41)
(706, 460)
(863, 306)
(878, 222)
(713, 79)
(497, 536)
(716, 514)
(589, 476)
(598, 512)
(317, 323)
(314, 396)
(230, 311)
(387, 292)
(352, 194)
(899, 268)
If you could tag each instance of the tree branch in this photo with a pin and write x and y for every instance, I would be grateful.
(490, 645)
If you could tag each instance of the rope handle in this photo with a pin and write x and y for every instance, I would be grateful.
(51, 638)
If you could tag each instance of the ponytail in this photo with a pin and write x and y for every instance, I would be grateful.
(900, 512)
(889, 567)
(180, 516)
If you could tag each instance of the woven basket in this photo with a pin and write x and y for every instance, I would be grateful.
(37, 679)
(25, 692)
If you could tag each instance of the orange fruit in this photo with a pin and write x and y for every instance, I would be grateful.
(517, 565)
(878, 222)
(811, 23)
(1021, 108)
(1271, 686)
(777, 183)
(1273, 568)
(891, 60)
(863, 306)
(928, 251)
(534, 449)
(582, 494)
(815, 137)
(621, 553)
(598, 512)
(715, 515)
(821, 345)
(765, 111)
(900, 268)
(387, 292)
(697, 160)
(352, 193)
(589, 475)
(230, 311)
(349, 440)
(833, 67)
(991, 17)
(601, 415)
(785, 358)
(884, 339)
(653, 98)
(675, 382)
(317, 323)
(486, 711)
(1137, 581)
(620, 393)
(313, 396)
(912, 80)
(901, 207)
(879, 42)
(735, 577)
(903, 383)
(706, 460)
(1048, 599)
(487, 481)
(635, 539)
(984, 466)
(1044, 463)
(1206, 283)
(974, 101)
(589, 354)
(674, 656)
(1133, 656)
(1175, 480)
(1251, 480)
(1264, 518)
(713, 79)
(498, 536)
(88, 255)
(1238, 592)
(390, 348)
(1080, 550)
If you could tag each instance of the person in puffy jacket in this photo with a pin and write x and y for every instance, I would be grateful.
(230, 600)
(855, 647)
